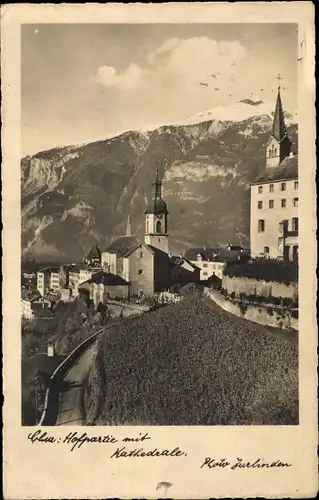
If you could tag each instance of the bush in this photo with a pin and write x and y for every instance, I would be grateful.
(267, 269)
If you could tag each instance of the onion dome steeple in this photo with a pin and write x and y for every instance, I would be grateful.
(157, 205)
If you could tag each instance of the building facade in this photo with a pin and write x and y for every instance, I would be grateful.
(104, 286)
(48, 279)
(274, 222)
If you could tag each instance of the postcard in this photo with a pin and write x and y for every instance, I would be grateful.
(159, 250)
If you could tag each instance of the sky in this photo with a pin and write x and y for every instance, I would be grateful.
(80, 82)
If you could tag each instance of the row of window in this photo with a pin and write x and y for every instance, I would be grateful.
(294, 225)
(271, 187)
(286, 251)
(271, 203)
(214, 266)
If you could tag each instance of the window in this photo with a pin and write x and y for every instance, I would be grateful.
(283, 203)
(140, 271)
(295, 202)
(271, 188)
(204, 274)
(266, 249)
(260, 204)
(271, 203)
(283, 186)
(158, 226)
(260, 189)
(141, 255)
(295, 224)
(205, 265)
(261, 226)
(296, 185)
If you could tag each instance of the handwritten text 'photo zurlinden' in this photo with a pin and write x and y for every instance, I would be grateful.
(159, 230)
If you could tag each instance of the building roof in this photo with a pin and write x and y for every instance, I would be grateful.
(109, 279)
(206, 253)
(122, 245)
(74, 268)
(217, 254)
(50, 270)
(288, 169)
(30, 295)
(41, 312)
(237, 248)
(94, 253)
(178, 261)
(157, 205)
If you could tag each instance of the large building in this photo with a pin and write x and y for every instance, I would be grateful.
(147, 265)
(213, 261)
(48, 279)
(274, 222)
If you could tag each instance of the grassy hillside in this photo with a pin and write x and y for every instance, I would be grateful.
(193, 363)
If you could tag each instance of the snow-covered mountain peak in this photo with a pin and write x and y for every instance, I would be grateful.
(249, 107)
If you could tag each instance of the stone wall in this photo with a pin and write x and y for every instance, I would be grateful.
(278, 318)
(251, 286)
(121, 308)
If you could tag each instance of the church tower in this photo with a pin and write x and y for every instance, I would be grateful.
(278, 146)
(156, 218)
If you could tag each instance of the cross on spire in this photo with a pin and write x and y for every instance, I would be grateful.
(279, 77)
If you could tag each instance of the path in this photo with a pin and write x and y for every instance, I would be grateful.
(71, 411)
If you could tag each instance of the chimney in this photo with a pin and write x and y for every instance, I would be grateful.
(291, 154)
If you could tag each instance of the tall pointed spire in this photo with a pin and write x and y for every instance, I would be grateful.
(128, 226)
(279, 145)
(279, 130)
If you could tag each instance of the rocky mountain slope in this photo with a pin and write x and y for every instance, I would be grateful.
(75, 196)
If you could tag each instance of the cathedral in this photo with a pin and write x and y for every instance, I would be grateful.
(147, 265)
(274, 222)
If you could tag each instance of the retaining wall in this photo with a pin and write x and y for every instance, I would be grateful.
(281, 318)
(259, 287)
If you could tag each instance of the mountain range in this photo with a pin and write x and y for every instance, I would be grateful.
(75, 196)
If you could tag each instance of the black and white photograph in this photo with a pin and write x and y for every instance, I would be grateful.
(159, 250)
(159, 224)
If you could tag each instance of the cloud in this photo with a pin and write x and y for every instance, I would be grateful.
(198, 57)
(190, 60)
(128, 79)
(166, 46)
